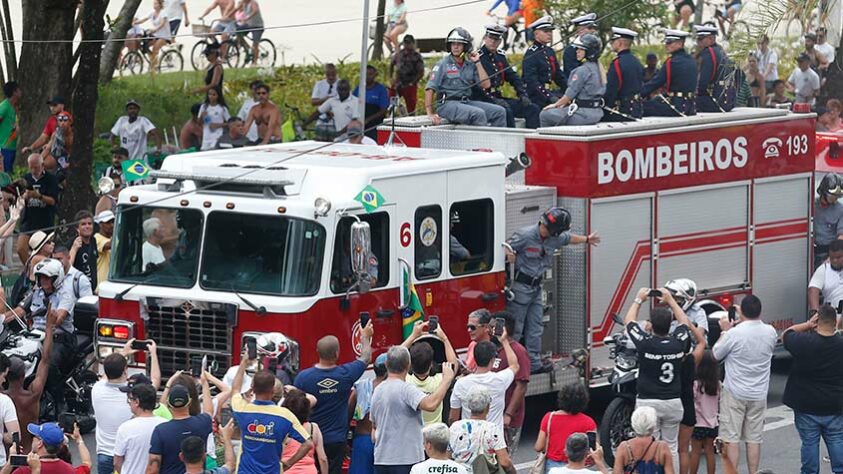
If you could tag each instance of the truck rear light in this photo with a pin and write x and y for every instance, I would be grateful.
(121, 332)
(725, 300)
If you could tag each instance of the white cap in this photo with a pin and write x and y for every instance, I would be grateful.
(674, 35)
(623, 33)
(104, 216)
(589, 19)
(705, 30)
(543, 23)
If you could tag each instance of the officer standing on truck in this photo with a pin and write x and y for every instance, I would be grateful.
(716, 90)
(532, 249)
(499, 71)
(678, 75)
(582, 103)
(828, 216)
(540, 67)
(623, 79)
(585, 24)
(452, 81)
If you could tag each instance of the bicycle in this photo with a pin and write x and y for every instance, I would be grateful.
(207, 38)
(266, 50)
(170, 58)
(514, 40)
(721, 19)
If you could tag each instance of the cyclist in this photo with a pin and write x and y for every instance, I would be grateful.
(513, 11)
(249, 19)
(397, 24)
(684, 10)
(160, 32)
(225, 24)
(728, 14)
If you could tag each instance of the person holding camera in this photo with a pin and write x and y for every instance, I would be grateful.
(421, 359)
(531, 250)
(660, 358)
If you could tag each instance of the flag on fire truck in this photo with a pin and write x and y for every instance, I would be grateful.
(413, 311)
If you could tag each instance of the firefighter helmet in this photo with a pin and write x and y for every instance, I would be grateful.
(831, 183)
(591, 44)
(460, 35)
(556, 219)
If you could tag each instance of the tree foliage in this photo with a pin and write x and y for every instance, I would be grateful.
(642, 16)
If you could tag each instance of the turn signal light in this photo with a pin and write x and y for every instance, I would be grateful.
(106, 331)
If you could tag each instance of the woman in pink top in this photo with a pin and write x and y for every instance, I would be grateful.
(296, 401)
(707, 405)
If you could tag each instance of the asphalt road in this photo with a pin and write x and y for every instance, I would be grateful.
(780, 451)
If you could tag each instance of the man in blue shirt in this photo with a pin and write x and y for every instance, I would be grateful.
(264, 426)
(331, 384)
(377, 101)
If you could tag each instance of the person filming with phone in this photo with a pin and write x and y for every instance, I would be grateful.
(828, 280)
(660, 357)
(421, 359)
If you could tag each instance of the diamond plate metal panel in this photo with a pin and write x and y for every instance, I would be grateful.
(510, 142)
(524, 205)
(544, 383)
(569, 319)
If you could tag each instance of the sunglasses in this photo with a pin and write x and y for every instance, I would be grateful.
(62, 119)
(473, 327)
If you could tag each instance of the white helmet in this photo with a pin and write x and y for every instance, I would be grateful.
(273, 344)
(50, 268)
(684, 291)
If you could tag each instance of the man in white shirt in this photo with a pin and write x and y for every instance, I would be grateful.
(768, 62)
(355, 135)
(151, 250)
(828, 280)
(823, 47)
(173, 10)
(341, 109)
(437, 437)
(483, 378)
(804, 81)
(8, 414)
(252, 133)
(132, 131)
(110, 408)
(131, 448)
(326, 88)
(747, 347)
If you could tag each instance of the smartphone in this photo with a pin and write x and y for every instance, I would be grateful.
(66, 421)
(196, 367)
(732, 313)
(654, 293)
(500, 324)
(252, 348)
(364, 319)
(140, 345)
(17, 460)
(432, 324)
(15, 438)
(592, 439)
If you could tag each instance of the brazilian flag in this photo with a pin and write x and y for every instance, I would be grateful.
(370, 198)
(413, 311)
(134, 170)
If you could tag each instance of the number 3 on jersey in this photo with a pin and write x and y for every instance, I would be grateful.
(667, 373)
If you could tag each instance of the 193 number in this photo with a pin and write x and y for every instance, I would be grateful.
(797, 145)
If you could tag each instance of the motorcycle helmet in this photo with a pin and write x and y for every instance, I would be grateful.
(460, 35)
(591, 44)
(273, 344)
(556, 219)
(832, 184)
(684, 291)
(52, 269)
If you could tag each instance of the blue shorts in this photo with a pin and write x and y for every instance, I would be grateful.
(362, 455)
(8, 159)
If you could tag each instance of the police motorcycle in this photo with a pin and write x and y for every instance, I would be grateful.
(615, 426)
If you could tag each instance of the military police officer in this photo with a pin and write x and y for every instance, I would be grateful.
(498, 69)
(678, 75)
(623, 79)
(582, 103)
(716, 91)
(452, 81)
(531, 252)
(540, 65)
(585, 24)
(828, 216)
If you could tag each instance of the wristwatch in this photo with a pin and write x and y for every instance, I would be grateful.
(638, 301)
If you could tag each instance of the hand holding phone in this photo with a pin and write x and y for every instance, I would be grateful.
(732, 311)
(655, 293)
(500, 324)
(432, 324)
(251, 349)
(365, 317)
(18, 460)
(140, 345)
(592, 439)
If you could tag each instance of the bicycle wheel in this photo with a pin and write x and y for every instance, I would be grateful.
(197, 58)
(266, 53)
(132, 64)
(739, 27)
(232, 54)
(171, 61)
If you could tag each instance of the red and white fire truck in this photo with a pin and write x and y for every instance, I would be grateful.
(230, 244)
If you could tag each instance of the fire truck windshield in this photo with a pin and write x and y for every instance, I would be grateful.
(157, 246)
(250, 253)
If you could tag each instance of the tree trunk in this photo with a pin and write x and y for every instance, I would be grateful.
(45, 67)
(380, 29)
(77, 189)
(112, 49)
(9, 48)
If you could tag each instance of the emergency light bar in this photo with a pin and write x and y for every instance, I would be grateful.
(267, 182)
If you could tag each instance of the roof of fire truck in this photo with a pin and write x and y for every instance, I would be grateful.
(315, 169)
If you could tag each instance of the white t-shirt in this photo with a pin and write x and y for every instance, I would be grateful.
(438, 466)
(807, 84)
(133, 442)
(567, 470)
(111, 411)
(173, 10)
(228, 378)
(748, 351)
(827, 50)
(494, 383)
(213, 114)
(322, 89)
(829, 282)
(770, 57)
(8, 414)
(152, 254)
(344, 111)
(133, 135)
(252, 134)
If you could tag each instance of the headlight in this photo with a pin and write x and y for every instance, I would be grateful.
(321, 206)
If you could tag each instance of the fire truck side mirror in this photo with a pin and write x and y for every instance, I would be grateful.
(361, 254)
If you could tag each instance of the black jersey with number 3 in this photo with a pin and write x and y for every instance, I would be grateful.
(660, 361)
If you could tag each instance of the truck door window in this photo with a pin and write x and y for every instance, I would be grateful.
(341, 275)
(428, 242)
(472, 225)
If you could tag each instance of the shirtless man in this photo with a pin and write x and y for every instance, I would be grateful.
(225, 23)
(266, 116)
(28, 400)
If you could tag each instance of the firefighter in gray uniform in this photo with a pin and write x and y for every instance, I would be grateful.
(828, 216)
(531, 252)
(452, 82)
(582, 103)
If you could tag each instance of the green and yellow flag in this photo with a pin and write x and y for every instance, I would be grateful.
(370, 198)
(134, 170)
(413, 311)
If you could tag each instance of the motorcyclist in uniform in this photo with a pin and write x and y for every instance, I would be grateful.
(684, 291)
(52, 294)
